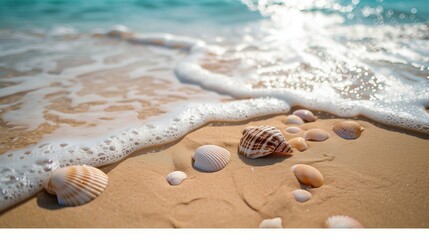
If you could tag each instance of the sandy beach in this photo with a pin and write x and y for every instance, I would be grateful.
(381, 179)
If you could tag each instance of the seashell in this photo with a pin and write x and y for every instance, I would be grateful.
(301, 195)
(176, 177)
(305, 115)
(261, 141)
(293, 130)
(211, 158)
(247, 129)
(294, 119)
(76, 185)
(316, 134)
(348, 129)
(298, 143)
(307, 175)
(342, 222)
(271, 223)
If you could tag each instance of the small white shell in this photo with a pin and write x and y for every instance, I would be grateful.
(301, 195)
(211, 158)
(305, 115)
(293, 130)
(76, 185)
(271, 223)
(348, 129)
(308, 175)
(316, 134)
(342, 222)
(176, 177)
(298, 143)
(294, 119)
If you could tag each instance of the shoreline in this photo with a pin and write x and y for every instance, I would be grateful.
(379, 179)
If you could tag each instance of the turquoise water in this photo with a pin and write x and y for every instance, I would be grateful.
(165, 15)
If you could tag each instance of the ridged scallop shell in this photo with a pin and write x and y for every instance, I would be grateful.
(176, 177)
(305, 115)
(76, 185)
(298, 143)
(262, 141)
(308, 175)
(293, 130)
(348, 129)
(294, 119)
(271, 223)
(342, 222)
(316, 134)
(211, 158)
(301, 195)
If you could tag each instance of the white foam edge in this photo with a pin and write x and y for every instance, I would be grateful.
(31, 167)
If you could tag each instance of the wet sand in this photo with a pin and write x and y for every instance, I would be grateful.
(381, 179)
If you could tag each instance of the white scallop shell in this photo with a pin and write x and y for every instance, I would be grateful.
(342, 222)
(211, 158)
(348, 129)
(294, 119)
(261, 141)
(271, 223)
(308, 175)
(76, 185)
(298, 143)
(301, 195)
(316, 134)
(305, 115)
(293, 130)
(176, 177)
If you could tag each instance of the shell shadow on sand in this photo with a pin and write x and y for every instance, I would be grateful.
(264, 161)
(48, 201)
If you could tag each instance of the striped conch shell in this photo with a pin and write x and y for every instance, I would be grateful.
(211, 158)
(262, 141)
(76, 185)
(348, 129)
(176, 177)
(271, 223)
(342, 222)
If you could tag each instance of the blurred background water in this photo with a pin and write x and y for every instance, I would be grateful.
(166, 15)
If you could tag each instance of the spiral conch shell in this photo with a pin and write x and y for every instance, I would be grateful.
(342, 222)
(348, 129)
(308, 175)
(76, 185)
(211, 158)
(305, 115)
(262, 141)
(176, 177)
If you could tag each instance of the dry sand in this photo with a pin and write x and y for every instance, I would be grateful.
(381, 179)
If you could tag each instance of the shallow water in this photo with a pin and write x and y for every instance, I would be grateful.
(75, 92)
